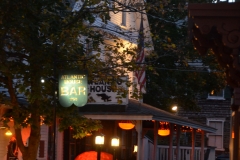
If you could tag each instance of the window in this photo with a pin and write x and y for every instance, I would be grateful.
(111, 4)
(89, 48)
(216, 95)
(72, 147)
(216, 139)
(123, 17)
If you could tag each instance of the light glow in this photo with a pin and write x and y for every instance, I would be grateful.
(163, 132)
(99, 139)
(8, 133)
(115, 142)
(174, 108)
(126, 125)
(135, 149)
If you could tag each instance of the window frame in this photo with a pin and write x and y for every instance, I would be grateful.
(124, 14)
(222, 120)
(124, 18)
(216, 97)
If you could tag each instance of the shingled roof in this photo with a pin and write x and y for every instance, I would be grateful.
(138, 111)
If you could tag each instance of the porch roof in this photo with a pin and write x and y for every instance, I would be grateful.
(141, 111)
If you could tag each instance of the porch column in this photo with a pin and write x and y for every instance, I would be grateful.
(139, 143)
(155, 139)
(202, 145)
(193, 144)
(236, 134)
(170, 151)
(235, 122)
(178, 143)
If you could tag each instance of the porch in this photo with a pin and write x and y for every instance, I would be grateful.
(148, 118)
(184, 152)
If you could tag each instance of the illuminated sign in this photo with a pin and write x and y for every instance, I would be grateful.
(101, 92)
(73, 88)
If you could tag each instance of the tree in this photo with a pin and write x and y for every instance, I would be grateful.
(181, 75)
(39, 39)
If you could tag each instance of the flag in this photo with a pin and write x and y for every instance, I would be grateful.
(140, 73)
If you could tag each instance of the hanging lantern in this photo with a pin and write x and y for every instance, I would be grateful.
(164, 129)
(126, 125)
(163, 132)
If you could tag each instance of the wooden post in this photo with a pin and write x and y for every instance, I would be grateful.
(236, 135)
(170, 150)
(178, 143)
(193, 144)
(156, 126)
(202, 145)
(235, 109)
(139, 130)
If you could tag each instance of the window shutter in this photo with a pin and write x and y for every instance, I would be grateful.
(228, 92)
(123, 18)
(41, 149)
(204, 95)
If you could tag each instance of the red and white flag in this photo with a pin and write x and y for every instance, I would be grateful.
(140, 73)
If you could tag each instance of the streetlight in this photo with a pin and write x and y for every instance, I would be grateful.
(114, 144)
(99, 141)
(54, 81)
(174, 108)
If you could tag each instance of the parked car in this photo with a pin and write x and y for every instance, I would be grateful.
(223, 157)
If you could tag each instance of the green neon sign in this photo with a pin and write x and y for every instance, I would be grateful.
(73, 88)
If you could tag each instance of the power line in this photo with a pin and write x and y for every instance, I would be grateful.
(186, 70)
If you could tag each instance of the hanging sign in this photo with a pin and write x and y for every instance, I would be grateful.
(73, 88)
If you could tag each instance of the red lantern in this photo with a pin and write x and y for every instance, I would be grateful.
(164, 129)
(126, 125)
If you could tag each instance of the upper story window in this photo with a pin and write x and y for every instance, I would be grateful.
(89, 48)
(224, 94)
(216, 139)
(111, 4)
(124, 16)
(216, 95)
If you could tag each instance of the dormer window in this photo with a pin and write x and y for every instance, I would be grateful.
(218, 95)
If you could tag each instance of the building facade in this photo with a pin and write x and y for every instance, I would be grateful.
(214, 112)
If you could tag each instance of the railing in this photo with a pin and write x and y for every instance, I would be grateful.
(184, 154)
